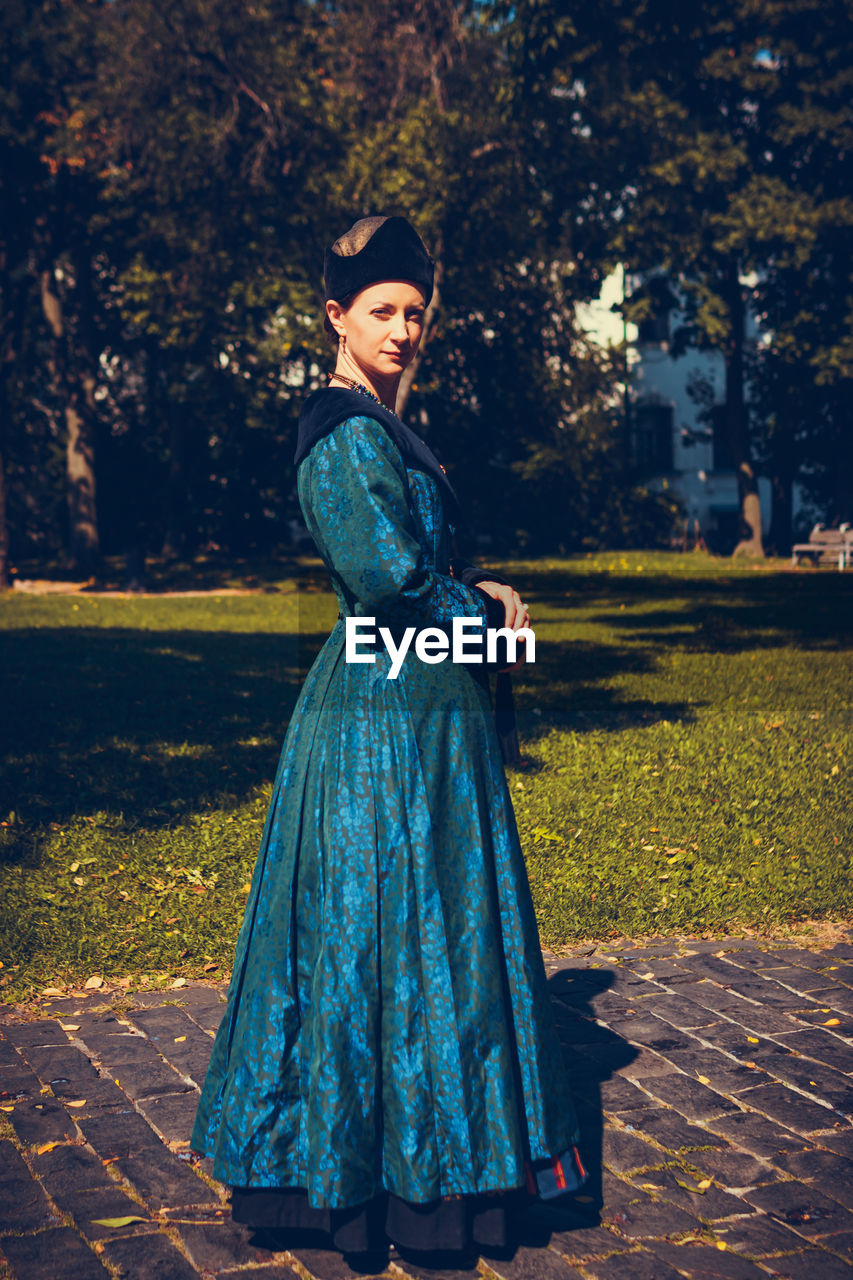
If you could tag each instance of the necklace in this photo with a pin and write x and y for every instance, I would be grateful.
(356, 386)
(365, 391)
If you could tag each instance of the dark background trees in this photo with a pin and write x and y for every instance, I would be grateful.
(170, 176)
(725, 148)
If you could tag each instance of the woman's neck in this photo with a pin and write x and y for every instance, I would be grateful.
(385, 389)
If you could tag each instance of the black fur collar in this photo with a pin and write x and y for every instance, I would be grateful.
(325, 408)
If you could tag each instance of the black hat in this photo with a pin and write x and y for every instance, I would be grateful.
(377, 249)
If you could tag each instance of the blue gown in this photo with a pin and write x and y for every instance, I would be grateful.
(388, 1028)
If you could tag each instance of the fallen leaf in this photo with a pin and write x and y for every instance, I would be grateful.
(703, 1079)
(704, 1184)
(721, 1244)
(46, 1146)
(698, 1190)
(752, 1039)
(93, 983)
(208, 968)
(3, 1108)
(53, 991)
(179, 1039)
(70, 1026)
(831, 1022)
(544, 834)
(118, 1222)
(178, 983)
(80, 1102)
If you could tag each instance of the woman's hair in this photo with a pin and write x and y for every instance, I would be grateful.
(329, 329)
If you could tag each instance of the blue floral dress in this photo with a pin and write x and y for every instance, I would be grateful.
(388, 1030)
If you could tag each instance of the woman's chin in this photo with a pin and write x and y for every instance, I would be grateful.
(393, 364)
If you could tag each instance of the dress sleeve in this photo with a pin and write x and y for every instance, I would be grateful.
(357, 509)
(464, 571)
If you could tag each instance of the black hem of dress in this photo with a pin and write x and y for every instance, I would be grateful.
(445, 1225)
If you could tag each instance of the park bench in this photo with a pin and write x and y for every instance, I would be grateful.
(826, 546)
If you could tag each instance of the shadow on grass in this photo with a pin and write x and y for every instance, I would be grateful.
(211, 571)
(150, 726)
(568, 686)
(733, 614)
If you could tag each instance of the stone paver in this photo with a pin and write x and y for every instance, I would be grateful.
(714, 1083)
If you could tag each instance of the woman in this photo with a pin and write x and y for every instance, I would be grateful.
(387, 1067)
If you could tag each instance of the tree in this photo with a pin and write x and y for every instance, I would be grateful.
(802, 212)
(26, 93)
(437, 135)
(715, 127)
(188, 164)
(206, 206)
(48, 189)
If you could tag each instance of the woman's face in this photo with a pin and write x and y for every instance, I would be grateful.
(382, 326)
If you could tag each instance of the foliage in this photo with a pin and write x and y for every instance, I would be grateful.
(723, 142)
(684, 730)
(172, 174)
(206, 154)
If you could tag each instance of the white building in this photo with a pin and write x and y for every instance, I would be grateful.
(670, 445)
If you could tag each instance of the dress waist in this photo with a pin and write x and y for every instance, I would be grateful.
(504, 708)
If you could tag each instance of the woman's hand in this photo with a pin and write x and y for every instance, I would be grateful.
(516, 614)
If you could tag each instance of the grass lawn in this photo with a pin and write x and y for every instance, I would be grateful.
(685, 731)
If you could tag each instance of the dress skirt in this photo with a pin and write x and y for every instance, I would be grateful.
(388, 1060)
(440, 1225)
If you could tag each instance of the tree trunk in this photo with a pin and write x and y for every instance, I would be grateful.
(80, 470)
(781, 536)
(430, 322)
(14, 293)
(842, 465)
(5, 377)
(782, 481)
(4, 527)
(737, 420)
(77, 396)
(175, 537)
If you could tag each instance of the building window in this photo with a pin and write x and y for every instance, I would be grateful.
(654, 328)
(651, 437)
(661, 301)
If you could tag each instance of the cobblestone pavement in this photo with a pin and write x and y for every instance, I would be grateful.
(713, 1082)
